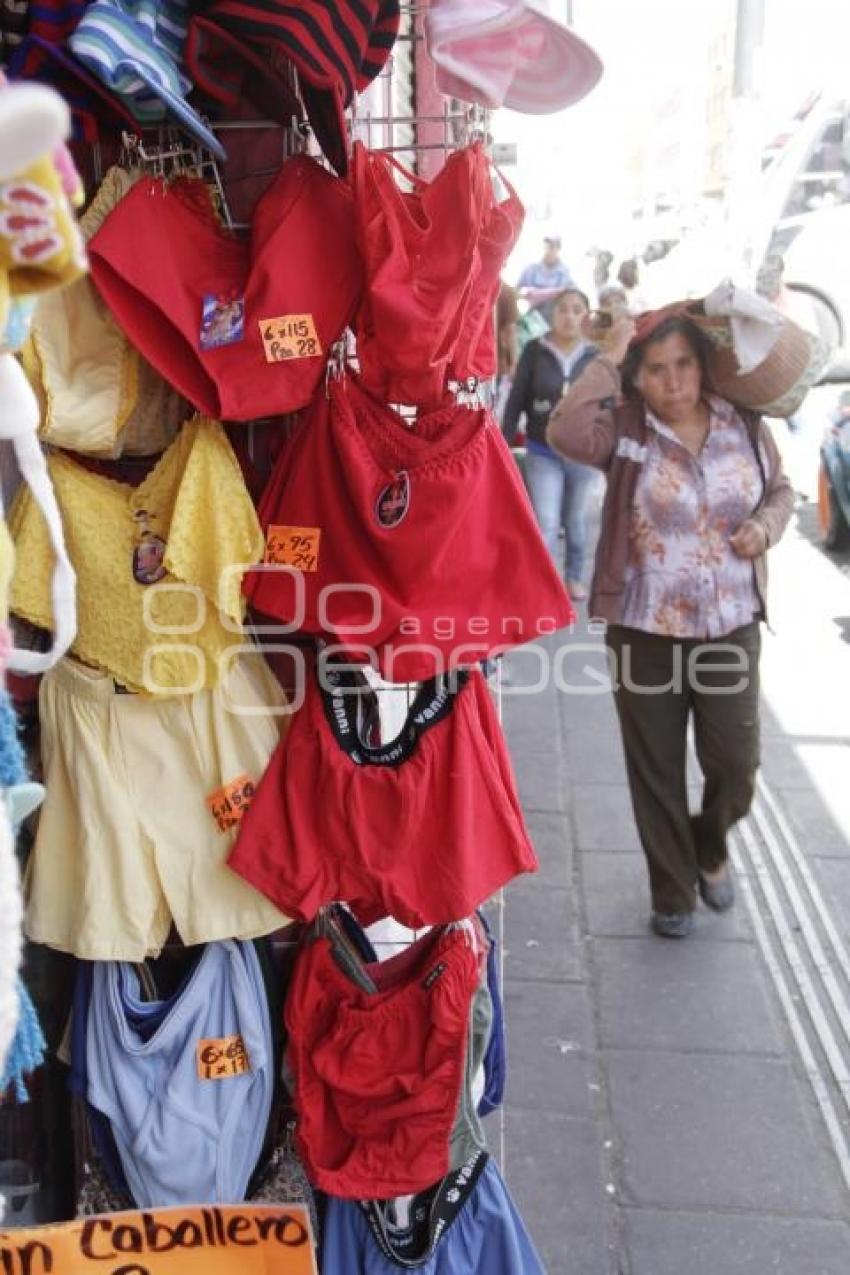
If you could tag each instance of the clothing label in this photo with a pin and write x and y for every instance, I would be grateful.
(394, 501)
(431, 977)
(220, 1057)
(229, 803)
(293, 547)
(291, 336)
(149, 553)
(148, 564)
(222, 320)
(216, 1240)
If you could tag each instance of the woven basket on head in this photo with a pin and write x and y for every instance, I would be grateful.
(778, 385)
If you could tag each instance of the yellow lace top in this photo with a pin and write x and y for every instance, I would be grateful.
(159, 566)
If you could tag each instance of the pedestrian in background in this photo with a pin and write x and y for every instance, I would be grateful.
(558, 488)
(613, 301)
(695, 497)
(628, 277)
(507, 345)
(542, 281)
(602, 268)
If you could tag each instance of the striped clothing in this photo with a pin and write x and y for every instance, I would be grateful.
(134, 46)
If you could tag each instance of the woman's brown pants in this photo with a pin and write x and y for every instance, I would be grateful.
(660, 683)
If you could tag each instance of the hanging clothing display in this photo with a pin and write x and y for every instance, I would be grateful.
(431, 257)
(422, 828)
(418, 545)
(143, 794)
(97, 394)
(188, 527)
(464, 1225)
(509, 53)
(268, 401)
(336, 48)
(236, 333)
(378, 1077)
(193, 1072)
(352, 952)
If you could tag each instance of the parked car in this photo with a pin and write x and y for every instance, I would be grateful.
(834, 479)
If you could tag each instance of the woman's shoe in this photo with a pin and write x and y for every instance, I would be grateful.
(576, 590)
(672, 925)
(718, 895)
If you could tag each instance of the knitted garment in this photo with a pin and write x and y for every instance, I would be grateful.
(191, 522)
(27, 1050)
(12, 766)
(10, 936)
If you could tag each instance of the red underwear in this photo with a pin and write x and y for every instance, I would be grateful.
(423, 546)
(423, 828)
(432, 258)
(241, 328)
(377, 1077)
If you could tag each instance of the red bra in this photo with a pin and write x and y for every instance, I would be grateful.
(241, 328)
(416, 545)
(432, 259)
(423, 828)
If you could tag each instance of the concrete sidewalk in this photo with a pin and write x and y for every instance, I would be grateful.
(662, 1117)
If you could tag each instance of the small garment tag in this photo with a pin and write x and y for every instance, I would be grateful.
(291, 336)
(393, 500)
(148, 556)
(149, 552)
(222, 321)
(228, 804)
(293, 547)
(431, 977)
(220, 1057)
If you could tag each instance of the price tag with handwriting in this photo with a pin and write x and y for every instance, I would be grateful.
(290, 336)
(228, 804)
(219, 1057)
(293, 547)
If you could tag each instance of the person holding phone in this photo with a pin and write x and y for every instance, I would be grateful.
(558, 488)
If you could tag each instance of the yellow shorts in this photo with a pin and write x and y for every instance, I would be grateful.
(142, 797)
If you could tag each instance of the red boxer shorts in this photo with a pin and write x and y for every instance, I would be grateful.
(423, 828)
(241, 328)
(377, 1076)
(424, 550)
(432, 257)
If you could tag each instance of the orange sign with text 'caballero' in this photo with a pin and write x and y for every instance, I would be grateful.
(214, 1240)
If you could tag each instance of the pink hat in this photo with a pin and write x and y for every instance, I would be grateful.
(508, 53)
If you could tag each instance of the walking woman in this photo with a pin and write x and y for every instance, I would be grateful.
(559, 488)
(695, 497)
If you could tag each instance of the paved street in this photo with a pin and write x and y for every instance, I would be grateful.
(685, 1107)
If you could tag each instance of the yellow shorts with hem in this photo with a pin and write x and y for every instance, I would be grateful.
(126, 840)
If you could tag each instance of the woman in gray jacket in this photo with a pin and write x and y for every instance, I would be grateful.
(695, 497)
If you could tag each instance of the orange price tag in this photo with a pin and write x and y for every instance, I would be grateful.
(294, 547)
(228, 804)
(220, 1057)
(291, 336)
(217, 1239)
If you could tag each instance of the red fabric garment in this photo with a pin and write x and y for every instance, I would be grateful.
(157, 257)
(424, 828)
(476, 350)
(432, 258)
(434, 518)
(377, 1077)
